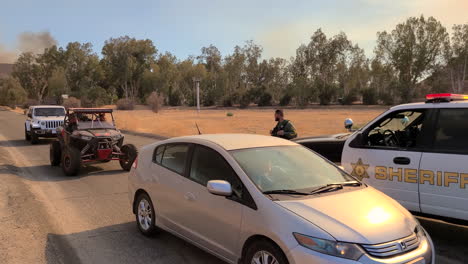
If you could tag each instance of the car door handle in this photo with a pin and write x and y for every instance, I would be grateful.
(402, 160)
(189, 196)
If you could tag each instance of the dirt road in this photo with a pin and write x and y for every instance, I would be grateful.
(46, 217)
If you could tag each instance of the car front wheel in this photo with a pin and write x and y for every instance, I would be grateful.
(145, 215)
(71, 161)
(264, 252)
(26, 134)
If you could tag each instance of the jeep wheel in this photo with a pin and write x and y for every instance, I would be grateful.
(55, 153)
(26, 134)
(129, 154)
(71, 161)
(34, 137)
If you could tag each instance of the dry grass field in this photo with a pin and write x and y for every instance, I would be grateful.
(179, 122)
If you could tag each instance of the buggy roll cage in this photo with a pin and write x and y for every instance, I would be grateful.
(94, 111)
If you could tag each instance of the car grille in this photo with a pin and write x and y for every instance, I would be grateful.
(53, 124)
(390, 249)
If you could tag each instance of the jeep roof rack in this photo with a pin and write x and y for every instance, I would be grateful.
(445, 97)
(90, 110)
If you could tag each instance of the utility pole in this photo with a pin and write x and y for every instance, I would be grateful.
(197, 85)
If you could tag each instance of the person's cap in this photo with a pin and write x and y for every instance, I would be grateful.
(279, 111)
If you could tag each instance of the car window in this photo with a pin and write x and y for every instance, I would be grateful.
(401, 129)
(207, 165)
(451, 130)
(158, 153)
(174, 157)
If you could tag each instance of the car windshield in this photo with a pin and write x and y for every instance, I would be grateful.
(94, 120)
(288, 168)
(49, 111)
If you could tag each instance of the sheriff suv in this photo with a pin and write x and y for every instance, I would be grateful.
(417, 154)
(42, 121)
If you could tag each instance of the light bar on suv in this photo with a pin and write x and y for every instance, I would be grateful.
(446, 97)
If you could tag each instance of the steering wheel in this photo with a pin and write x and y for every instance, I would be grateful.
(390, 138)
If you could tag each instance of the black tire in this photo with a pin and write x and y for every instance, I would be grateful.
(55, 153)
(267, 246)
(34, 137)
(129, 154)
(26, 134)
(145, 227)
(71, 161)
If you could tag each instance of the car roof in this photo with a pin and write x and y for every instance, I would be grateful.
(47, 106)
(236, 141)
(424, 105)
(90, 110)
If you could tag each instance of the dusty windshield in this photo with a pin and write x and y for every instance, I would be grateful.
(49, 111)
(95, 121)
(291, 167)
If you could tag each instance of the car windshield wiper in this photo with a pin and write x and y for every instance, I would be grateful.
(327, 188)
(350, 183)
(285, 191)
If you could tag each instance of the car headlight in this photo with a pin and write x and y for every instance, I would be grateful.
(333, 248)
(86, 137)
(43, 123)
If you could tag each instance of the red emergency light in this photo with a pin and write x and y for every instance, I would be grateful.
(446, 96)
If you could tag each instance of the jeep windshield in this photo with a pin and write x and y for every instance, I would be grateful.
(49, 111)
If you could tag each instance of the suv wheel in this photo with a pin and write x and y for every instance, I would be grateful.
(71, 161)
(34, 137)
(145, 215)
(264, 251)
(26, 134)
(129, 154)
(55, 153)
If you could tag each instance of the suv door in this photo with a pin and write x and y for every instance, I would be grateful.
(168, 171)
(213, 221)
(386, 155)
(444, 167)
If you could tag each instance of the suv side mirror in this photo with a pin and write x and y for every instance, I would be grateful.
(29, 115)
(348, 123)
(219, 187)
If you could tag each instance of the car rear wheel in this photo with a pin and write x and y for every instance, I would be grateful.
(55, 153)
(129, 154)
(145, 215)
(71, 161)
(265, 252)
(26, 134)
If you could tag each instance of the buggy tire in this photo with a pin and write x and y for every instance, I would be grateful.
(55, 153)
(260, 249)
(71, 161)
(34, 137)
(27, 136)
(129, 154)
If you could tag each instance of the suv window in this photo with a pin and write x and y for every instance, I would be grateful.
(400, 129)
(174, 157)
(451, 130)
(207, 165)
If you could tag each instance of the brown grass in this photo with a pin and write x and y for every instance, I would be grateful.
(179, 122)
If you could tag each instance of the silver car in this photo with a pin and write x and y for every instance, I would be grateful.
(264, 200)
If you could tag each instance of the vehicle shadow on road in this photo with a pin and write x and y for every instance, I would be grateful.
(122, 243)
(450, 240)
(23, 143)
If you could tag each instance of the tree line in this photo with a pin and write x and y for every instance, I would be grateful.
(417, 56)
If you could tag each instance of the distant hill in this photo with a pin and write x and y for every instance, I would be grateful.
(5, 69)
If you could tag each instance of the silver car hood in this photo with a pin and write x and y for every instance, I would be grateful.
(364, 216)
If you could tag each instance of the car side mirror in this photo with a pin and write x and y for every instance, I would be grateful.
(29, 115)
(348, 124)
(219, 187)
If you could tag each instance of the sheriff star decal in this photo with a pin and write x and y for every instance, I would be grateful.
(360, 169)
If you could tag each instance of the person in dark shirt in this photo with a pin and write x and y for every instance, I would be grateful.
(284, 128)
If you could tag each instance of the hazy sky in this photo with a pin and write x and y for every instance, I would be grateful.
(183, 27)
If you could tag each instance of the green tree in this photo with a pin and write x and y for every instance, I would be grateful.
(458, 61)
(415, 49)
(11, 92)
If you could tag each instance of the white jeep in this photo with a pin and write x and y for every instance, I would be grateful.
(42, 121)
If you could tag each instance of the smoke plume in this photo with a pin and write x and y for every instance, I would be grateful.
(34, 42)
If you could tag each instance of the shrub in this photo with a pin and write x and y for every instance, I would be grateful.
(12, 93)
(175, 98)
(245, 100)
(265, 99)
(30, 102)
(95, 97)
(227, 102)
(125, 104)
(348, 99)
(229, 114)
(369, 96)
(155, 101)
(285, 100)
(71, 102)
